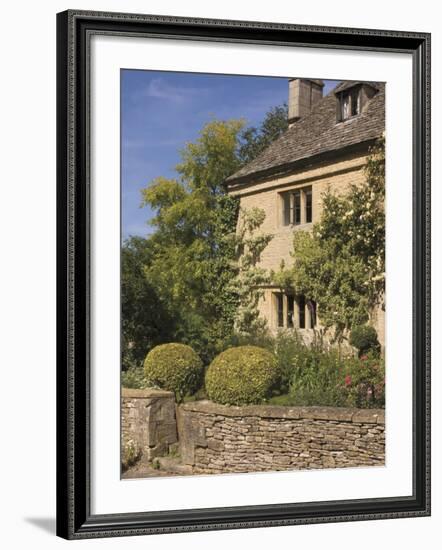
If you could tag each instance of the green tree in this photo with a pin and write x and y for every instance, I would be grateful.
(254, 140)
(192, 249)
(341, 263)
(145, 319)
(192, 264)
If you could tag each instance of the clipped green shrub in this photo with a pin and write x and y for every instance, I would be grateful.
(241, 375)
(174, 367)
(364, 338)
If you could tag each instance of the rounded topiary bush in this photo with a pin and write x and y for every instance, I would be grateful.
(174, 367)
(364, 338)
(241, 375)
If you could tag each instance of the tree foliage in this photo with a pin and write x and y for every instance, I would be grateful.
(341, 263)
(146, 321)
(188, 267)
(255, 140)
(191, 250)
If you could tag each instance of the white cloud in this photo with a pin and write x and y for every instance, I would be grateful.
(158, 88)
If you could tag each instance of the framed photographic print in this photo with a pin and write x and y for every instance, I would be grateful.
(243, 274)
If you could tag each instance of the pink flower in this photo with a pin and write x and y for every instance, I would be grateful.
(348, 380)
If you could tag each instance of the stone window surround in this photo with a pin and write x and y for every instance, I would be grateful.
(351, 95)
(362, 92)
(296, 316)
(304, 190)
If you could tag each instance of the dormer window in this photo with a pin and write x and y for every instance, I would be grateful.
(349, 103)
(352, 99)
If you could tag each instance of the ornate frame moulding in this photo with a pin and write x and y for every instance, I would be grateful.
(74, 32)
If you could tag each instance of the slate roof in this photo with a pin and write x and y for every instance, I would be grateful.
(346, 84)
(315, 134)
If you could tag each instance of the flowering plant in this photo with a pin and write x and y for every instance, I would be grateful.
(341, 263)
(364, 381)
(330, 378)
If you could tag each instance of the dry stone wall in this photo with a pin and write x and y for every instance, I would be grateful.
(148, 419)
(217, 438)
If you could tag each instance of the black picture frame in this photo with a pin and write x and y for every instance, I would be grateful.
(74, 518)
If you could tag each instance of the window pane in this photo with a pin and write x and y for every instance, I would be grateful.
(290, 310)
(286, 208)
(312, 308)
(280, 309)
(345, 105)
(355, 102)
(297, 207)
(301, 306)
(308, 206)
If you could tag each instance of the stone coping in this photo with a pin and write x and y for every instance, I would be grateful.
(339, 414)
(145, 393)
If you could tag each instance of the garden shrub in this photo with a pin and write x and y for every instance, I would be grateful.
(260, 339)
(134, 378)
(241, 375)
(287, 347)
(328, 379)
(364, 338)
(174, 367)
(318, 378)
(364, 382)
(199, 395)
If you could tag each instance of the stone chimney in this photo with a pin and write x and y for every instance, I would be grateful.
(303, 94)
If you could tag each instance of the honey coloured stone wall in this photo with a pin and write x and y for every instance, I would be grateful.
(336, 176)
(148, 419)
(217, 438)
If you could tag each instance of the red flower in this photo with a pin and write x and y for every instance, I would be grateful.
(348, 380)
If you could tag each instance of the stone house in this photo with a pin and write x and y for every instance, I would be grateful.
(325, 147)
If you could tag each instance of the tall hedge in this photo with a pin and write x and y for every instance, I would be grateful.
(174, 367)
(241, 375)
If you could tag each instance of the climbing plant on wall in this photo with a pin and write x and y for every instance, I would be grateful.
(341, 263)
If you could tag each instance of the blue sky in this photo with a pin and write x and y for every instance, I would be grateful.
(161, 111)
